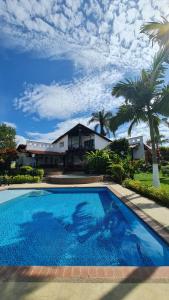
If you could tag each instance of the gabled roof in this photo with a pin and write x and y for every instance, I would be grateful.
(85, 128)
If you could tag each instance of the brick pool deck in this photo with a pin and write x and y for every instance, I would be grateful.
(154, 215)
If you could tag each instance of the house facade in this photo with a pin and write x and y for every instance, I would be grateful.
(139, 150)
(66, 152)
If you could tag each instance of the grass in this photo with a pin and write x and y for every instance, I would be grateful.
(146, 179)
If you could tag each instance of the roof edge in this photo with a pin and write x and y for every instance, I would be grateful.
(91, 130)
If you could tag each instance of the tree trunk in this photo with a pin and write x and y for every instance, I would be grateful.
(156, 179)
(102, 129)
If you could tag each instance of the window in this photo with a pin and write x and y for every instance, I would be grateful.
(61, 144)
(89, 144)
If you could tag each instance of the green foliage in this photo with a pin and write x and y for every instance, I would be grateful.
(165, 170)
(117, 172)
(164, 153)
(7, 137)
(26, 170)
(146, 99)
(157, 32)
(101, 118)
(120, 147)
(25, 174)
(130, 168)
(38, 172)
(98, 161)
(19, 179)
(7, 147)
(159, 195)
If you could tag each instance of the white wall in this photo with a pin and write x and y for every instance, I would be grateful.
(58, 144)
(100, 143)
(138, 153)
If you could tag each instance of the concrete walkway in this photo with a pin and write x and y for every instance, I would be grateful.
(93, 291)
(83, 291)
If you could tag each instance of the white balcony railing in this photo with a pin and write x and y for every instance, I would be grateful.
(40, 146)
(135, 140)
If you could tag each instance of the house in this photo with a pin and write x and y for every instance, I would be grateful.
(66, 152)
(139, 150)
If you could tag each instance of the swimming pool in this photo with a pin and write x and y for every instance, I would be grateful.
(74, 227)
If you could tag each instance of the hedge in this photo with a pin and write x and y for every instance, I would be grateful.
(165, 170)
(157, 194)
(28, 170)
(117, 172)
(38, 172)
(19, 179)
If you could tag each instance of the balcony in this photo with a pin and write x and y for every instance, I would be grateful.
(40, 146)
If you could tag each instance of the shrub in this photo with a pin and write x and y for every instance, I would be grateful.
(98, 161)
(19, 179)
(164, 152)
(38, 172)
(157, 194)
(130, 168)
(26, 170)
(115, 158)
(117, 172)
(165, 170)
(120, 147)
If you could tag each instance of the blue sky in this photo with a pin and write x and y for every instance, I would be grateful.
(60, 59)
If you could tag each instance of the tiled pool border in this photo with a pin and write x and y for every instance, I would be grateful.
(93, 273)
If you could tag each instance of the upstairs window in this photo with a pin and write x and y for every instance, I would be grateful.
(61, 144)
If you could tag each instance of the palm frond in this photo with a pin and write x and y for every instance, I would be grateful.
(161, 106)
(126, 89)
(134, 122)
(108, 115)
(157, 32)
(124, 115)
(93, 119)
(158, 68)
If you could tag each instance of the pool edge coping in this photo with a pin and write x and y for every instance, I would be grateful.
(152, 223)
(124, 274)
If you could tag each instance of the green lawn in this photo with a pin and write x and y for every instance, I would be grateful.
(146, 178)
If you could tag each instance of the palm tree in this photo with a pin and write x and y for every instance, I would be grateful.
(146, 99)
(101, 119)
(159, 140)
(166, 122)
(157, 32)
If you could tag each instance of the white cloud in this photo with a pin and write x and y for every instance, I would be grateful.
(60, 129)
(141, 130)
(81, 30)
(101, 37)
(64, 101)
(13, 125)
(20, 140)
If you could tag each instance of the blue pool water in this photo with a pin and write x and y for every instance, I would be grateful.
(74, 227)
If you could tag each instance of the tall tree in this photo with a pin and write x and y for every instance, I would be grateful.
(7, 137)
(7, 147)
(158, 32)
(159, 140)
(146, 98)
(101, 119)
